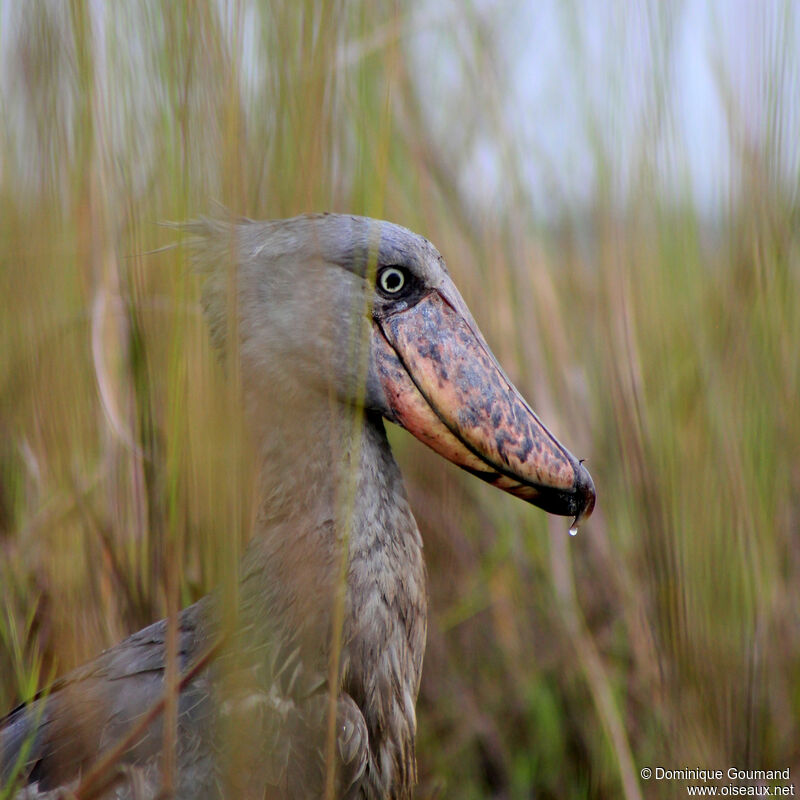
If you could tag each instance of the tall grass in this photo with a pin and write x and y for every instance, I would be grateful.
(657, 339)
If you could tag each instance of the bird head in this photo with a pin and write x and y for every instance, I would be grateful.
(365, 312)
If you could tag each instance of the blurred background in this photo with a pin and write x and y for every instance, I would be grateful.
(615, 189)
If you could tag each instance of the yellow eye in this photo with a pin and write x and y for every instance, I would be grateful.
(392, 280)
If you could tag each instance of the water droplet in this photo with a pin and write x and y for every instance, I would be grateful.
(573, 531)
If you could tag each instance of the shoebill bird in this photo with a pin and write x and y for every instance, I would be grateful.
(342, 322)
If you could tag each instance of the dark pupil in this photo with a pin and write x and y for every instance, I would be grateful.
(393, 281)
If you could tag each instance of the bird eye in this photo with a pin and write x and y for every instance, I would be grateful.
(392, 280)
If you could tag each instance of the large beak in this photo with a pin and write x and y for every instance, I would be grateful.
(443, 384)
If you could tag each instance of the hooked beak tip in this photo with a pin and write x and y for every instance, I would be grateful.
(584, 493)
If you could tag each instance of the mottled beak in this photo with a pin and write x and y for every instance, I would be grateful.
(443, 385)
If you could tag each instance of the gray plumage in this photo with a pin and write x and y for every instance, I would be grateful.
(319, 324)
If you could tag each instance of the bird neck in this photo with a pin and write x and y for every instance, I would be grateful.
(334, 526)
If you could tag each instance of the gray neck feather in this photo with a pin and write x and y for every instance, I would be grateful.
(328, 481)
